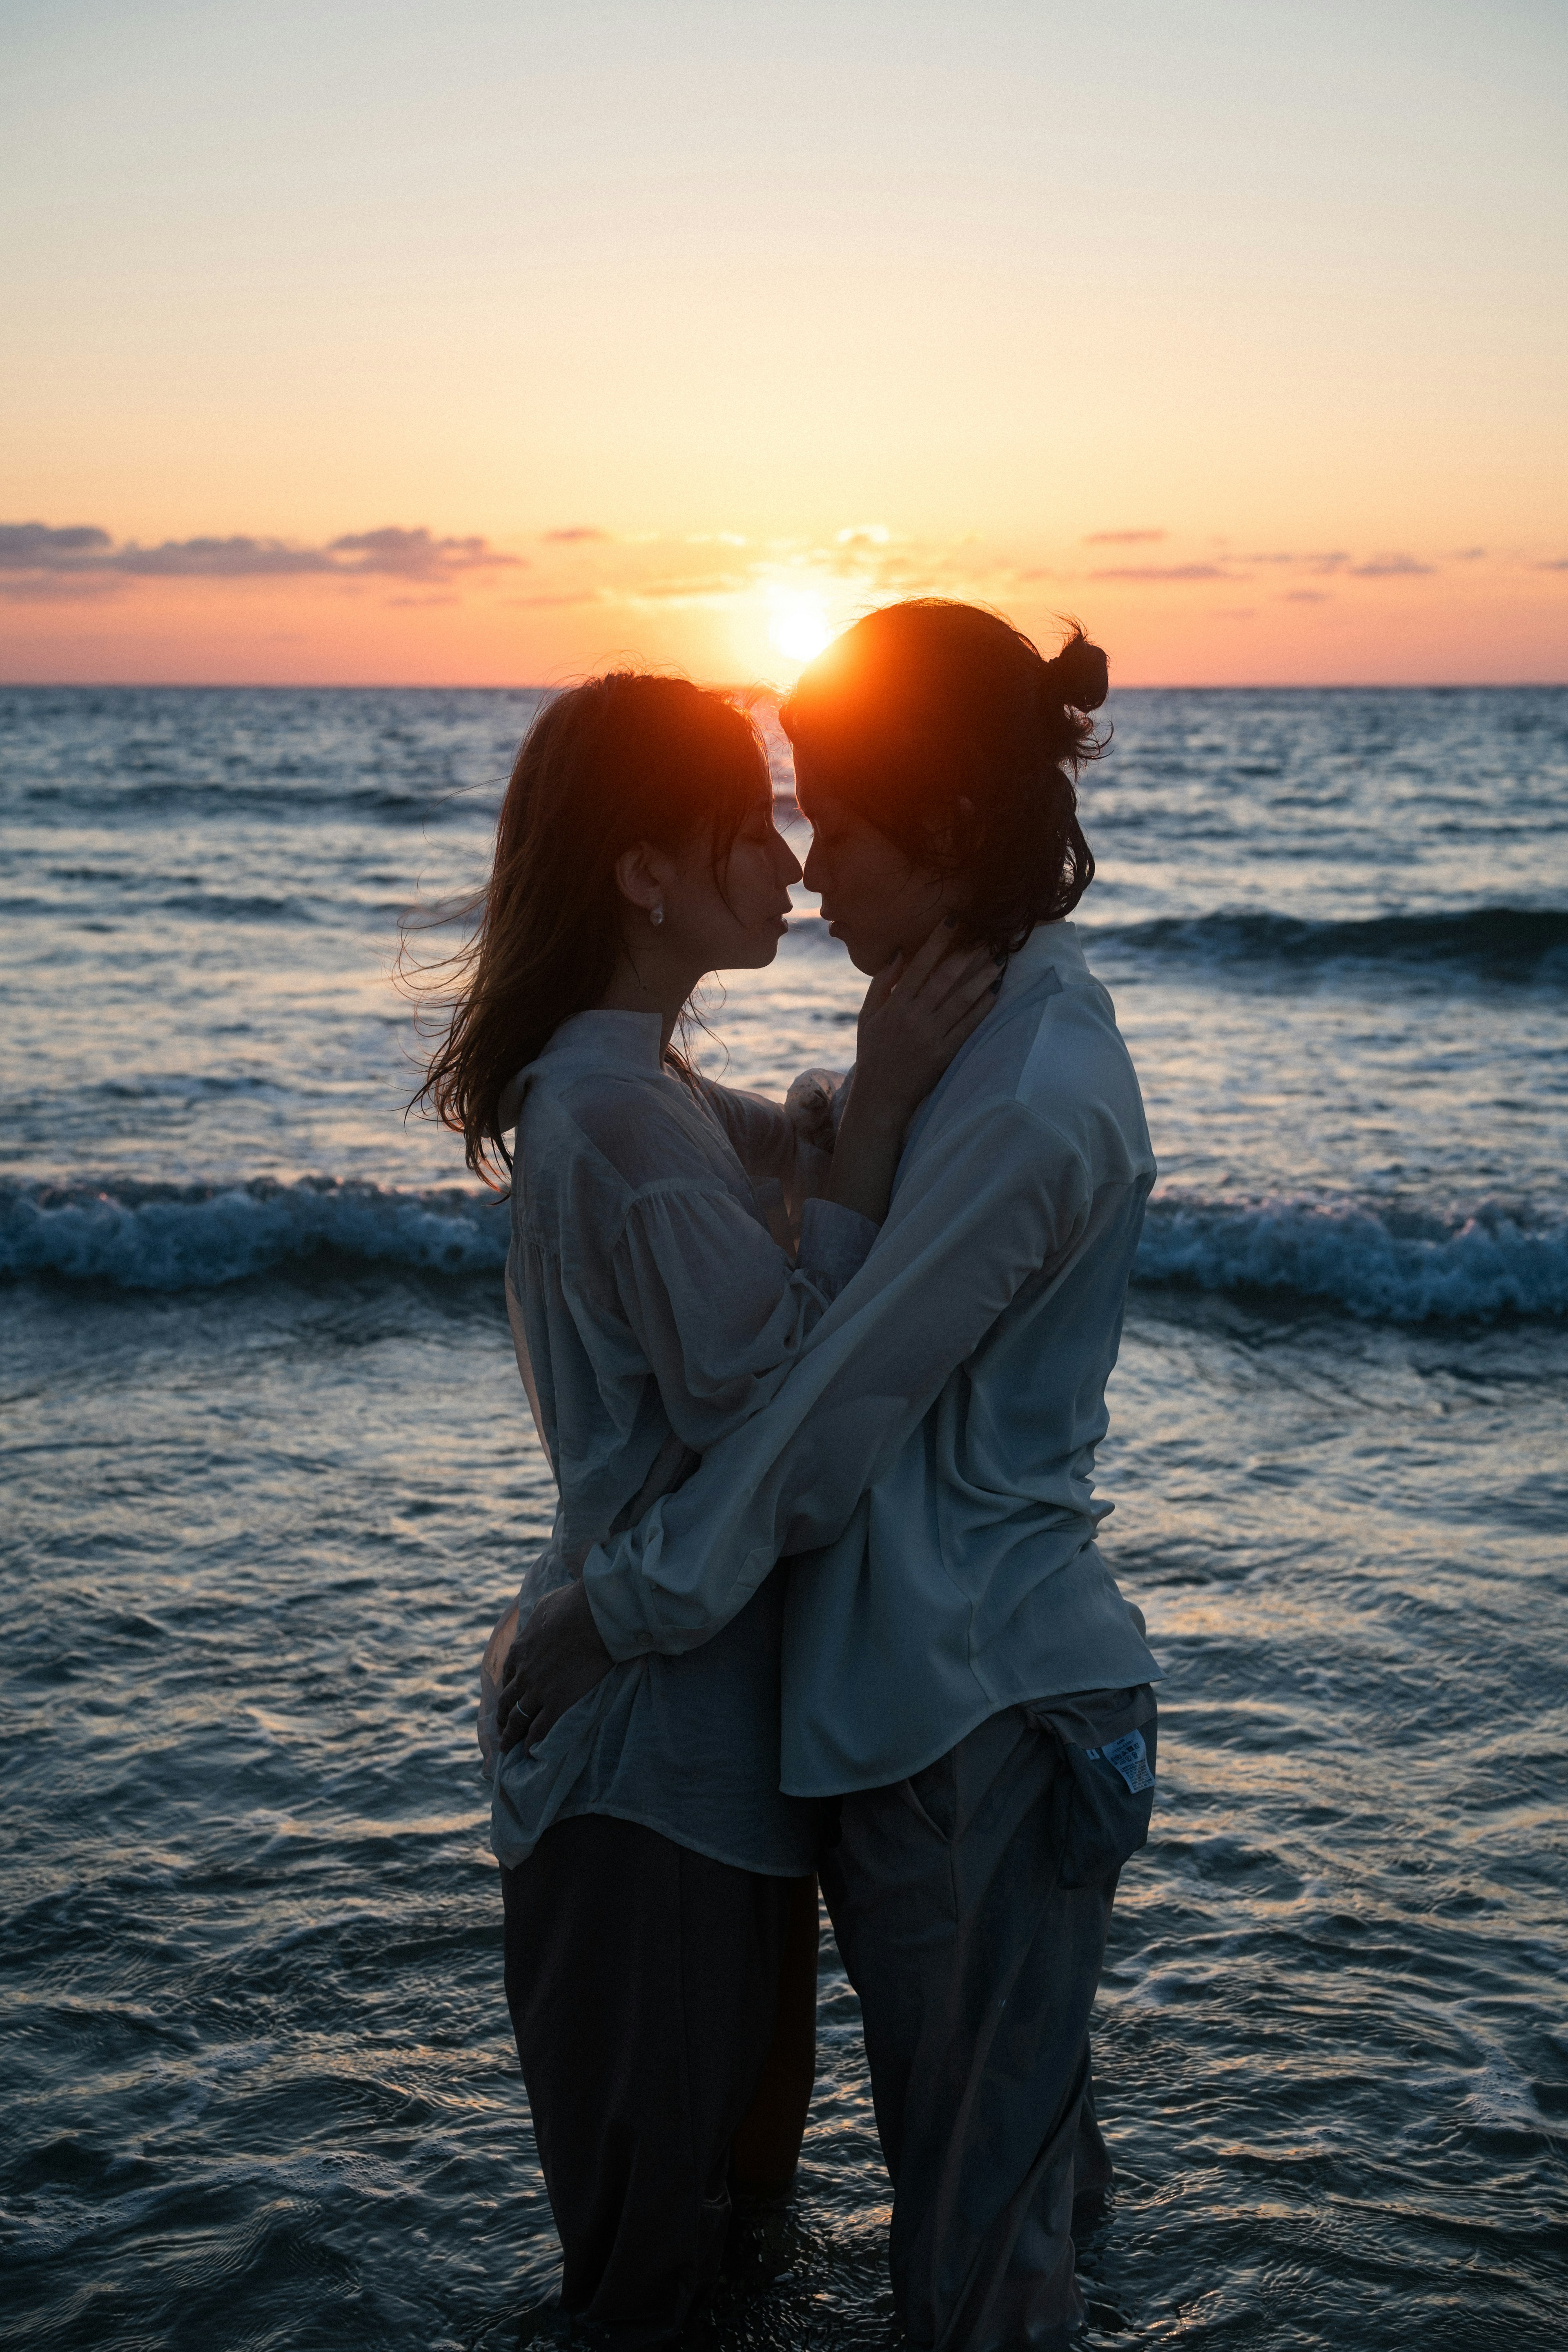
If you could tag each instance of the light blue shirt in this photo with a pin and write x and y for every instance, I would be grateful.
(653, 1312)
(928, 1464)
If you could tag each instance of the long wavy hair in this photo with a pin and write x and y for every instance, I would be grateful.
(950, 731)
(626, 758)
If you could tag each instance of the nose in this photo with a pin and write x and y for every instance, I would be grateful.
(812, 876)
(788, 863)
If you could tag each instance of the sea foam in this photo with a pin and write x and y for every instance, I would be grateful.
(1365, 1259)
(1383, 1264)
(197, 1237)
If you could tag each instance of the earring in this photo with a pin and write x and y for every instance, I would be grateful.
(656, 916)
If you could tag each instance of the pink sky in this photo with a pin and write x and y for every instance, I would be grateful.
(416, 609)
(490, 344)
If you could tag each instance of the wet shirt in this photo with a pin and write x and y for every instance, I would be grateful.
(928, 1466)
(654, 1308)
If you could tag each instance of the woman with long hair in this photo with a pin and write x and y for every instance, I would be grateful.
(959, 1669)
(673, 1244)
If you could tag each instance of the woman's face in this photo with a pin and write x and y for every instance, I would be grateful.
(873, 900)
(736, 918)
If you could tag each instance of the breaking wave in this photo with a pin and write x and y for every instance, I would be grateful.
(1371, 1261)
(1385, 1266)
(198, 1237)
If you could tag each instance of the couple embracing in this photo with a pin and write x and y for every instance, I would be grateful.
(821, 1385)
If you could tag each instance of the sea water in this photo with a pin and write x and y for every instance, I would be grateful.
(269, 1475)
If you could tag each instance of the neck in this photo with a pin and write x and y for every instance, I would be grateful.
(653, 984)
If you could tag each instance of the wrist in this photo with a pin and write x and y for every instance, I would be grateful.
(617, 1604)
(876, 1108)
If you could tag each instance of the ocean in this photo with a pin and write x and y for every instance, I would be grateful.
(269, 1475)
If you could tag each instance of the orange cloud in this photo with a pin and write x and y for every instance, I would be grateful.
(409, 605)
(1154, 573)
(1391, 567)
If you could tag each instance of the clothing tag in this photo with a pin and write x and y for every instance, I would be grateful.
(1127, 1756)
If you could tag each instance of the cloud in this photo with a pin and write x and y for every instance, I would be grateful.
(1554, 563)
(686, 588)
(1123, 538)
(216, 559)
(1326, 563)
(1332, 560)
(415, 555)
(864, 534)
(530, 603)
(1154, 573)
(576, 534)
(1306, 597)
(1391, 567)
(1469, 555)
(33, 546)
(39, 558)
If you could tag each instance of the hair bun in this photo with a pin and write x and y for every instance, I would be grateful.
(1078, 674)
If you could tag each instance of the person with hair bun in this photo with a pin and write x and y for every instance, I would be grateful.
(962, 1678)
(940, 728)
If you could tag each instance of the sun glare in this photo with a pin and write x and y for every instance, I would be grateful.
(800, 627)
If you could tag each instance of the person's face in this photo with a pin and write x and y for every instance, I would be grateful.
(873, 900)
(736, 918)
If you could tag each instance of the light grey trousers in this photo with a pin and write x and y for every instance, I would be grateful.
(977, 1966)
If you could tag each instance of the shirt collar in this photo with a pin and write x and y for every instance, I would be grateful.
(595, 1041)
(616, 1041)
(1049, 946)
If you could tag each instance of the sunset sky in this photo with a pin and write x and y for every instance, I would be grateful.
(487, 342)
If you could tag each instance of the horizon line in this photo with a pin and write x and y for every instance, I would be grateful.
(748, 685)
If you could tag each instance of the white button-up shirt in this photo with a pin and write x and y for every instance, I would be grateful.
(654, 1311)
(928, 1464)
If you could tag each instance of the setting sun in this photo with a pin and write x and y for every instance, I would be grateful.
(800, 627)
(850, 384)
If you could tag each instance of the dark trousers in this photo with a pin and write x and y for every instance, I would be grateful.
(643, 1984)
(976, 1962)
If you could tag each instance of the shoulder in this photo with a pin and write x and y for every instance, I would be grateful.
(1054, 1078)
(628, 1130)
(1050, 1037)
(1077, 1076)
(1072, 1040)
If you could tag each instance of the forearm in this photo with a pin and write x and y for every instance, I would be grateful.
(955, 1252)
(714, 1306)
